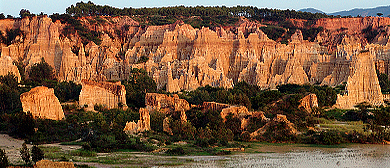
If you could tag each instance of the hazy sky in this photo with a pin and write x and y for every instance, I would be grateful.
(13, 7)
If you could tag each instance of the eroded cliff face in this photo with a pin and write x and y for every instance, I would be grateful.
(7, 66)
(42, 103)
(309, 102)
(362, 84)
(278, 120)
(184, 58)
(240, 112)
(142, 125)
(108, 94)
(164, 103)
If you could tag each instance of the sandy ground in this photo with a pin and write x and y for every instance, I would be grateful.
(12, 147)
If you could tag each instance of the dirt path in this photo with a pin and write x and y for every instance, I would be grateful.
(11, 147)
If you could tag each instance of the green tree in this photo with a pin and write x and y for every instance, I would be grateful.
(25, 13)
(9, 99)
(379, 14)
(382, 116)
(234, 124)
(3, 159)
(137, 86)
(21, 125)
(25, 154)
(37, 154)
(42, 74)
(384, 82)
(331, 137)
(10, 80)
(67, 91)
(11, 35)
(156, 121)
(265, 97)
(363, 110)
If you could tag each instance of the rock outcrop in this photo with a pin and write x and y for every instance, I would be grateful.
(131, 127)
(165, 103)
(236, 111)
(309, 102)
(51, 164)
(362, 84)
(279, 118)
(166, 127)
(42, 103)
(184, 58)
(240, 112)
(110, 95)
(214, 106)
(7, 66)
(142, 125)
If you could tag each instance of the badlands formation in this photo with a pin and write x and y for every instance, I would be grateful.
(110, 95)
(184, 58)
(42, 103)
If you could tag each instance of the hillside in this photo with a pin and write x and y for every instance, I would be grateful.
(385, 10)
(184, 80)
(363, 12)
(181, 57)
(311, 10)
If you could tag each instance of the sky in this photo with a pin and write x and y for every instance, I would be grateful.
(12, 7)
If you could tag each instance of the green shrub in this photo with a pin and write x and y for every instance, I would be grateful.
(273, 32)
(370, 33)
(37, 154)
(331, 137)
(41, 74)
(83, 153)
(156, 121)
(176, 151)
(67, 91)
(137, 86)
(3, 159)
(25, 154)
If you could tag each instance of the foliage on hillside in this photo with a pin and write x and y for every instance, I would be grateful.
(279, 29)
(137, 86)
(90, 9)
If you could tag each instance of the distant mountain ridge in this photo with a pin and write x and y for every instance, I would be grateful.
(311, 10)
(385, 10)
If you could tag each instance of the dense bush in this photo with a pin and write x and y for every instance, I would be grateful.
(9, 100)
(273, 33)
(278, 132)
(156, 121)
(331, 137)
(326, 95)
(25, 154)
(210, 128)
(137, 86)
(384, 82)
(67, 91)
(90, 9)
(264, 98)
(20, 124)
(10, 36)
(3, 159)
(370, 33)
(176, 151)
(239, 95)
(311, 33)
(42, 74)
(37, 154)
